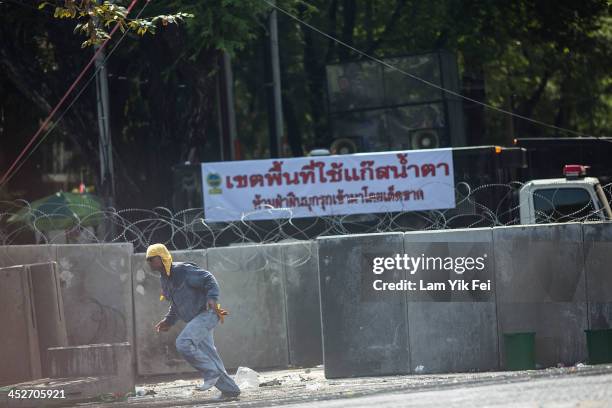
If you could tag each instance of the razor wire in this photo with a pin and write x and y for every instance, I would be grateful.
(490, 205)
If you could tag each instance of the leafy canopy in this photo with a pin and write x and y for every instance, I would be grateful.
(96, 19)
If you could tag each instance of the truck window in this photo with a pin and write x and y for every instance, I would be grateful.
(562, 205)
(602, 201)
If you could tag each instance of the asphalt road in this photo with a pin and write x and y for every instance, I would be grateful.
(571, 391)
(579, 386)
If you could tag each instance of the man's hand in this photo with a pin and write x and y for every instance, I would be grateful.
(162, 326)
(211, 304)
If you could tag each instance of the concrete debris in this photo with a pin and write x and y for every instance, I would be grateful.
(296, 386)
(141, 391)
(271, 383)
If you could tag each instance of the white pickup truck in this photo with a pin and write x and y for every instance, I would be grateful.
(575, 197)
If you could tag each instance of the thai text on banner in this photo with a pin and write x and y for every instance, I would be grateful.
(330, 185)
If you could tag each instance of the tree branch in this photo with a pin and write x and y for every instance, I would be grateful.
(390, 26)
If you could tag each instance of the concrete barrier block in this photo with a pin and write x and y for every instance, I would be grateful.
(27, 254)
(364, 331)
(452, 330)
(113, 361)
(156, 352)
(97, 292)
(597, 257)
(198, 257)
(251, 281)
(300, 263)
(91, 359)
(255, 334)
(558, 326)
(540, 287)
(50, 315)
(453, 337)
(19, 352)
(444, 255)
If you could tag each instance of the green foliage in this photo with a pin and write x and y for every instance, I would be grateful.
(546, 60)
(97, 19)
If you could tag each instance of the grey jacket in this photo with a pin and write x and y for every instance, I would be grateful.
(187, 288)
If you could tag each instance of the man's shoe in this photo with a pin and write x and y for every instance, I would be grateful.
(206, 385)
(227, 396)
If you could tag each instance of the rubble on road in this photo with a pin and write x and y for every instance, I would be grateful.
(299, 385)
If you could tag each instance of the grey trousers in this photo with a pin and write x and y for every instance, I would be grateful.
(196, 345)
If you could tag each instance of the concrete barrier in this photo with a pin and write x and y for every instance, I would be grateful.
(451, 330)
(255, 333)
(92, 359)
(540, 287)
(49, 305)
(597, 259)
(251, 280)
(156, 352)
(301, 282)
(27, 254)
(96, 287)
(112, 362)
(19, 352)
(286, 300)
(364, 331)
(97, 292)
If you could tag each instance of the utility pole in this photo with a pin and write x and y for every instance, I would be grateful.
(107, 179)
(276, 142)
(231, 110)
(226, 111)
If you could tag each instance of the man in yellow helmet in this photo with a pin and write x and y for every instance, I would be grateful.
(193, 294)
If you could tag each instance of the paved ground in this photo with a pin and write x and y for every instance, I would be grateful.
(572, 391)
(584, 386)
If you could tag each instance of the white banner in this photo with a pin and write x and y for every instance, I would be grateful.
(329, 185)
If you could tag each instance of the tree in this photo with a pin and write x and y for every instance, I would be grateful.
(162, 88)
(548, 61)
(96, 19)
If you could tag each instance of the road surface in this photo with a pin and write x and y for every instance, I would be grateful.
(581, 386)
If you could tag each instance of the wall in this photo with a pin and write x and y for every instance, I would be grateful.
(95, 285)
(293, 304)
(443, 322)
(551, 279)
(540, 287)
(271, 292)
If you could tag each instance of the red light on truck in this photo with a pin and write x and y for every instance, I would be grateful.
(574, 170)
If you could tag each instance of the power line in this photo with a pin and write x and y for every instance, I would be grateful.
(91, 78)
(63, 99)
(424, 81)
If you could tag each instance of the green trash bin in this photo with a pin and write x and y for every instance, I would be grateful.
(520, 351)
(599, 345)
